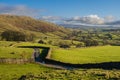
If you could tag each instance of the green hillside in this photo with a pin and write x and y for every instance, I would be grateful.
(30, 25)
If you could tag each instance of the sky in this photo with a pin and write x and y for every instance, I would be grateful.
(69, 11)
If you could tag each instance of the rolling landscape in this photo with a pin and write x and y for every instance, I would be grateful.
(36, 46)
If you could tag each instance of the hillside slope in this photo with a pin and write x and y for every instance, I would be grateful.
(27, 23)
(30, 25)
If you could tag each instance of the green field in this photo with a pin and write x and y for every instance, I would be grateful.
(32, 71)
(87, 55)
(14, 71)
(38, 72)
(10, 49)
(12, 52)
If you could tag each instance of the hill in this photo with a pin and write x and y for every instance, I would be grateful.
(27, 23)
(114, 23)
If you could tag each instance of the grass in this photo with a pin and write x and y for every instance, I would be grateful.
(10, 49)
(6, 43)
(38, 72)
(14, 71)
(33, 44)
(73, 55)
(13, 52)
(87, 55)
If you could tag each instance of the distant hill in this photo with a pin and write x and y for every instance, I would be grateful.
(84, 26)
(114, 23)
(27, 23)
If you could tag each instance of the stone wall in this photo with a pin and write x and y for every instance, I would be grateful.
(15, 61)
(22, 61)
(49, 54)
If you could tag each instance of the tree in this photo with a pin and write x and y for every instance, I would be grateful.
(41, 42)
(109, 36)
(10, 35)
(81, 44)
(64, 44)
(91, 42)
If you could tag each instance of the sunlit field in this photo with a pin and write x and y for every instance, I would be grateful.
(11, 50)
(15, 71)
(38, 72)
(87, 55)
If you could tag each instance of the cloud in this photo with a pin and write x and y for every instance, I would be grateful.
(18, 10)
(53, 19)
(109, 18)
(50, 18)
(90, 19)
(77, 20)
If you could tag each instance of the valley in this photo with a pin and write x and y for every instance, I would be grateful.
(87, 54)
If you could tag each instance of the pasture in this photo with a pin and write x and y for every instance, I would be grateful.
(38, 72)
(31, 71)
(10, 49)
(98, 54)
(15, 71)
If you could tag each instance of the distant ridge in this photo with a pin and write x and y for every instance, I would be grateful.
(114, 23)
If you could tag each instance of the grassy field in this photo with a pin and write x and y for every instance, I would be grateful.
(12, 52)
(10, 49)
(87, 55)
(14, 71)
(38, 72)
(72, 55)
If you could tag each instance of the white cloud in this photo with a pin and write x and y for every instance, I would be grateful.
(90, 19)
(26, 11)
(93, 19)
(53, 19)
(109, 18)
(18, 10)
(77, 20)
(93, 16)
(50, 18)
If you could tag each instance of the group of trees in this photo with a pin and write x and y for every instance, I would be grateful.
(91, 43)
(10, 35)
(96, 37)
(62, 43)
(86, 39)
